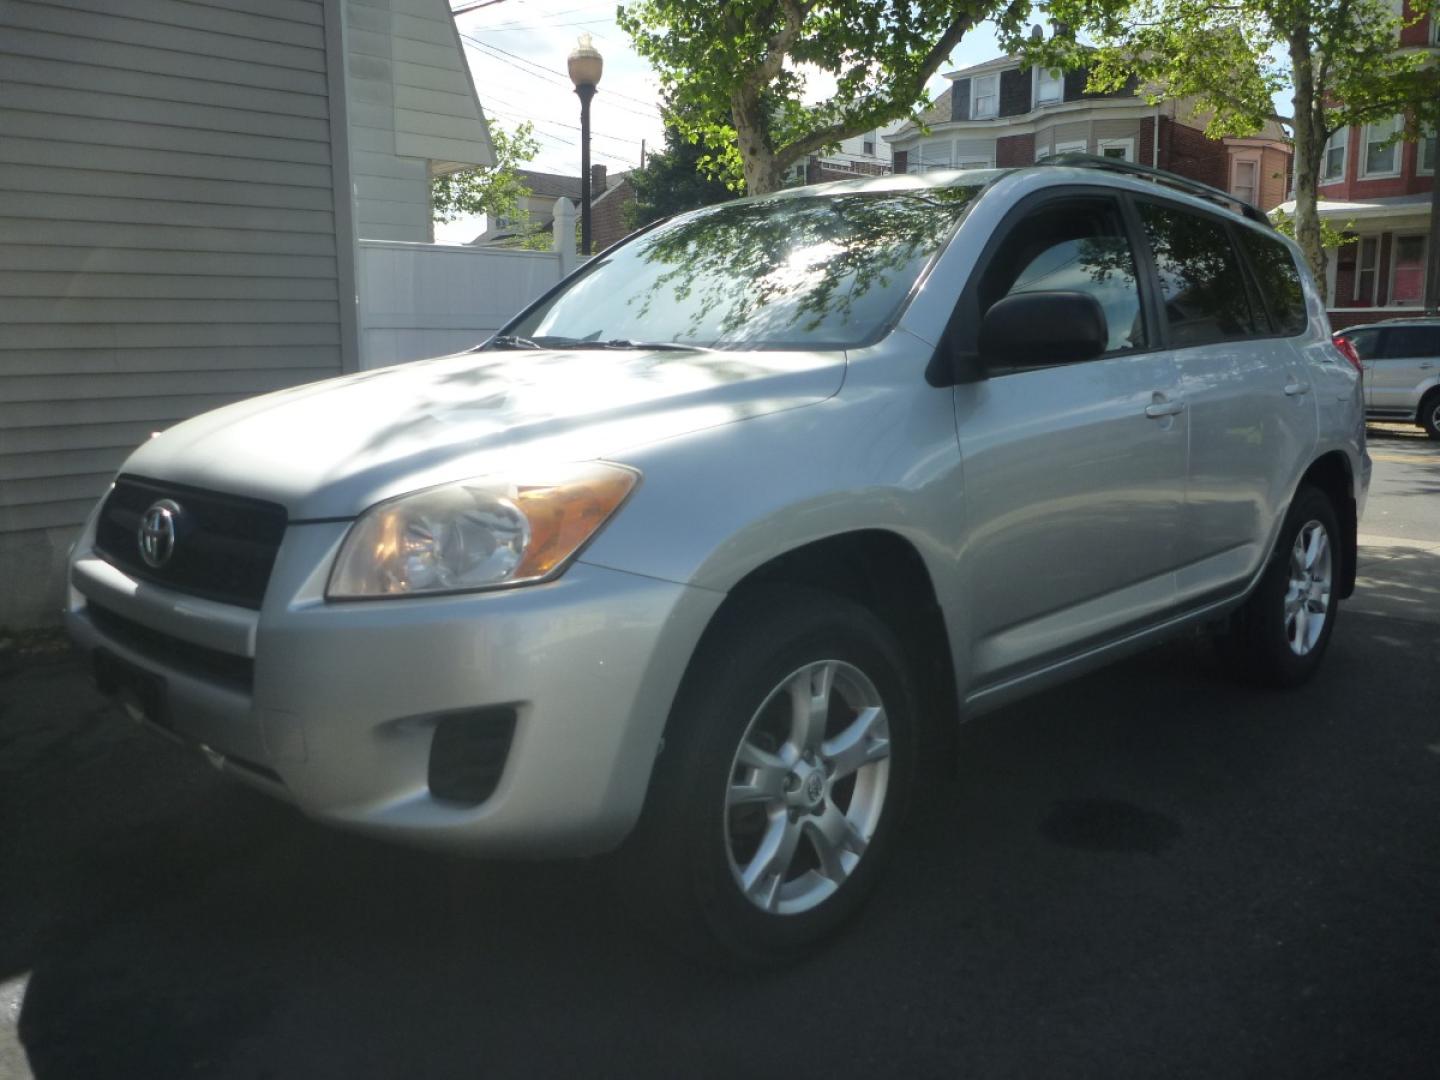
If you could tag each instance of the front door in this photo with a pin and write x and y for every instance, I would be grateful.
(1074, 474)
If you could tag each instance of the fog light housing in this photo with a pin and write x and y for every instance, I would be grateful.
(468, 752)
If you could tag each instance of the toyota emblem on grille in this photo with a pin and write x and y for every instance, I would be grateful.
(157, 533)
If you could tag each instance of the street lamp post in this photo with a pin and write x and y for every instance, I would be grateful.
(585, 65)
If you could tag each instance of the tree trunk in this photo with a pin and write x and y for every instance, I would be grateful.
(763, 172)
(1309, 150)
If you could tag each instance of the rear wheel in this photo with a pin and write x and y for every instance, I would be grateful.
(788, 764)
(1430, 414)
(1279, 636)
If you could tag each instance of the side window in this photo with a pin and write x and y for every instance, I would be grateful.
(1412, 342)
(1366, 342)
(1076, 246)
(1279, 280)
(1201, 286)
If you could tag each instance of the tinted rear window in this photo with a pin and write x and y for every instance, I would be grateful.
(1201, 285)
(1279, 281)
(1404, 342)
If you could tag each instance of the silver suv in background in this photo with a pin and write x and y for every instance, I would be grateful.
(701, 557)
(1401, 359)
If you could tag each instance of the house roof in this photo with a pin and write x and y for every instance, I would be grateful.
(555, 185)
(937, 112)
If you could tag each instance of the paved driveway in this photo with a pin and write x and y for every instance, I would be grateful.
(1151, 872)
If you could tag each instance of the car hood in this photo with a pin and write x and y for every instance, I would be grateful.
(330, 449)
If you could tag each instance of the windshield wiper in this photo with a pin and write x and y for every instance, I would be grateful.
(626, 343)
(512, 341)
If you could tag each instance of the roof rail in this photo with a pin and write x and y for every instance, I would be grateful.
(1159, 176)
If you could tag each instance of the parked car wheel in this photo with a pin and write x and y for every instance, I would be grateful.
(1280, 635)
(788, 765)
(1430, 414)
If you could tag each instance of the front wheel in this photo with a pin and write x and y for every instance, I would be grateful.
(1279, 636)
(788, 764)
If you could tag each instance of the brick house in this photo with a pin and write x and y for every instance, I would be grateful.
(1380, 194)
(1002, 113)
(865, 154)
(608, 198)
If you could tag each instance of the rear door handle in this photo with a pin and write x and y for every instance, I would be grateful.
(1162, 408)
(1294, 389)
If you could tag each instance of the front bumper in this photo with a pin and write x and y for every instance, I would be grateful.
(341, 706)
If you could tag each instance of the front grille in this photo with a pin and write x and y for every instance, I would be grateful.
(224, 546)
(210, 665)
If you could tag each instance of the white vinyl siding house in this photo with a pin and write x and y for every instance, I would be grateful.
(177, 225)
(413, 112)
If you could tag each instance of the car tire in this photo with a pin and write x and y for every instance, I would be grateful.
(768, 822)
(1279, 636)
(1430, 414)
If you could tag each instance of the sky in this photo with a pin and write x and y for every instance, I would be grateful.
(517, 50)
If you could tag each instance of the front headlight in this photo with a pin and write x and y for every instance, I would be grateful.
(477, 534)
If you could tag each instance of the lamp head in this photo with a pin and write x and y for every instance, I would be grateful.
(585, 63)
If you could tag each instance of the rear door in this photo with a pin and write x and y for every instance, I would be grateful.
(1074, 473)
(1407, 364)
(1246, 389)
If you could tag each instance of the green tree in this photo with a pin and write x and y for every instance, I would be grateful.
(734, 71)
(674, 180)
(1341, 59)
(495, 190)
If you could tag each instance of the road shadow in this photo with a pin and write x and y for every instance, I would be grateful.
(1152, 871)
(1399, 581)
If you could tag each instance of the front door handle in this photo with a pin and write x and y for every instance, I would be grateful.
(1161, 407)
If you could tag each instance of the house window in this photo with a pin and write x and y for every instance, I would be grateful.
(1333, 167)
(1075, 146)
(868, 147)
(1382, 156)
(1244, 185)
(1365, 271)
(1123, 149)
(1407, 281)
(1427, 150)
(984, 96)
(1049, 86)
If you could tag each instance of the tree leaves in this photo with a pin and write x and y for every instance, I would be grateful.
(735, 73)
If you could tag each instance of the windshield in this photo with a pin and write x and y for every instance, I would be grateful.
(814, 272)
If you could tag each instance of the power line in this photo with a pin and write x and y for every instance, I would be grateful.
(546, 76)
(547, 71)
(547, 26)
(560, 123)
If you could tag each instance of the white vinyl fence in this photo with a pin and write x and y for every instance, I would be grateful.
(419, 300)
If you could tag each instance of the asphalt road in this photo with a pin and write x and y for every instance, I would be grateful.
(1151, 872)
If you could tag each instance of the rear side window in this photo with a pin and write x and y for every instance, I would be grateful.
(1405, 342)
(1279, 281)
(1201, 285)
(1366, 342)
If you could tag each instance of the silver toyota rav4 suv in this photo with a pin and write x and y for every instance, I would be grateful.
(700, 560)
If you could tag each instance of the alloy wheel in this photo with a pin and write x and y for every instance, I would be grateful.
(807, 787)
(1307, 599)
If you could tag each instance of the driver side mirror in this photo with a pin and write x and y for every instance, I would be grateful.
(1040, 329)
